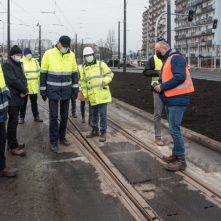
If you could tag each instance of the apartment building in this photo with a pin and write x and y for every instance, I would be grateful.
(197, 37)
(156, 7)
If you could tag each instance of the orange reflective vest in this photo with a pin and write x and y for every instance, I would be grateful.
(184, 88)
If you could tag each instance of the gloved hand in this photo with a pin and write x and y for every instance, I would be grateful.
(44, 97)
(75, 96)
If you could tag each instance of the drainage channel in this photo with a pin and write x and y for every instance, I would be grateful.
(135, 204)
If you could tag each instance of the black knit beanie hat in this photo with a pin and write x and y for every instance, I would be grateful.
(15, 50)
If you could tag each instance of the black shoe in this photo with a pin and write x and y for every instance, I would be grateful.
(21, 120)
(74, 115)
(83, 120)
(38, 119)
(54, 147)
(17, 152)
(93, 133)
(102, 136)
(9, 172)
(20, 146)
(64, 142)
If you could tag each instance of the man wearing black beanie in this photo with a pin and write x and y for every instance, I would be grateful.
(17, 84)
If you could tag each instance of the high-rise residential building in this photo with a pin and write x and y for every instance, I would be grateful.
(197, 37)
(156, 8)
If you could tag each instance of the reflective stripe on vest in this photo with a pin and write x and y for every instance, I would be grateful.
(184, 88)
(158, 66)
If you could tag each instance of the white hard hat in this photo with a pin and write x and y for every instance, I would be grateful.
(88, 50)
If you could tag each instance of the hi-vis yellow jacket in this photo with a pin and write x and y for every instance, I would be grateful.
(91, 83)
(32, 73)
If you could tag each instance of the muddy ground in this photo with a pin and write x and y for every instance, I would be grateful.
(203, 115)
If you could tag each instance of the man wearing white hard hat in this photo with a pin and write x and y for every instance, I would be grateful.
(94, 84)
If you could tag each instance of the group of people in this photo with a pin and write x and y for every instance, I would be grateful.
(60, 80)
(171, 85)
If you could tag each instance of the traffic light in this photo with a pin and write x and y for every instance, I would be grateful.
(215, 23)
(190, 15)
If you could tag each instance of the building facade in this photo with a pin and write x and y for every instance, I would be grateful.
(156, 8)
(197, 37)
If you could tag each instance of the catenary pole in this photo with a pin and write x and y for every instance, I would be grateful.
(76, 48)
(8, 40)
(118, 45)
(40, 45)
(168, 23)
(125, 31)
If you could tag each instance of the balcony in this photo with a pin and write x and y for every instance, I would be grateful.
(209, 54)
(197, 43)
(188, 5)
(188, 25)
(198, 22)
(209, 30)
(209, 42)
(180, 18)
(209, 7)
(209, 18)
(198, 1)
(179, 36)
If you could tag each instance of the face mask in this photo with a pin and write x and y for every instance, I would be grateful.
(17, 58)
(63, 50)
(89, 59)
(29, 56)
(159, 55)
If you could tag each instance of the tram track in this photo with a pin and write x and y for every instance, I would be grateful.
(135, 204)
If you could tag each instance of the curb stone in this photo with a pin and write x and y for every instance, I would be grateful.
(194, 136)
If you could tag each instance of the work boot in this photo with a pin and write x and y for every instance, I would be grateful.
(74, 115)
(17, 152)
(54, 147)
(102, 136)
(90, 121)
(169, 159)
(21, 120)
(20, 146)
(159, 142)
(38, 119)
(9, 172)
(179, 164)
(64, 142)
(83, 120)
(93, 133)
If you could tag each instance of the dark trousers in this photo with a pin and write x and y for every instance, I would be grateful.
(13, 113)
(83, 109)
(2, 145)
(34, 105)
(55, 131)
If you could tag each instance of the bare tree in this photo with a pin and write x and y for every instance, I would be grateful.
(105, 53)
(111, 41)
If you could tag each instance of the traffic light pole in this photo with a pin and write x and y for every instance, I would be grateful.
(158, 19)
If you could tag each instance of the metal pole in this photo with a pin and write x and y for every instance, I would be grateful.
(220, 54)
(3, 37)
(188, 53)
(8, 43)
(198, 60)
(181, 47)
(125, 32)
(39, 45)
(215, 55)
(76, 50)
(158, 19)
(168, 23)
(118, 45)
(82, 51)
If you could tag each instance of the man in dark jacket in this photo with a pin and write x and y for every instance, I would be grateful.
(152, 69)
(17, 84)
(176, 85)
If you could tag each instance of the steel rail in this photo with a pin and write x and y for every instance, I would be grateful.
(144, 145)
(102, 163)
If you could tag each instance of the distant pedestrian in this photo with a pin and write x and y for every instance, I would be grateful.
(82, 99)
(32, 73)
(4, 97)
(58, 83)
(152, 69)
(175, 88)
(17, 84)
(94, 82)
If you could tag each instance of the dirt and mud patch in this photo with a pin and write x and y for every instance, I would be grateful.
(203, 115)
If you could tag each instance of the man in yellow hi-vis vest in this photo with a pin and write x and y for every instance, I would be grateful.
(32, 73)
(152, 69)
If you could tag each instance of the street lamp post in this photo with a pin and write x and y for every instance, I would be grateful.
(137, 46)
(3, 35)
(39, 46)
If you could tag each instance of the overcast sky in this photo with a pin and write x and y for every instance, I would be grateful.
(88, 18)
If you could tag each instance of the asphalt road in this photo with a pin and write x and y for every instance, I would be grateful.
(208, 75)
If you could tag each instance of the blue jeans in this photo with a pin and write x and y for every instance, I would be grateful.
(100, 109)
(55, 132)
(73, 106)
(175, 115)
